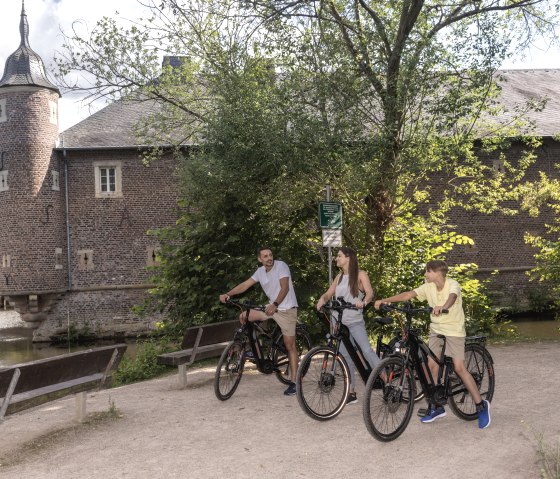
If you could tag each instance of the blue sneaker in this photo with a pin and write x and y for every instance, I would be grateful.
(291, 391)
(483, 412)
(433, 414)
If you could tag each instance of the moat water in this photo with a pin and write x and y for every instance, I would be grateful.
(16, 345)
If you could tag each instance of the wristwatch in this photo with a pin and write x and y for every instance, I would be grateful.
(275, 304)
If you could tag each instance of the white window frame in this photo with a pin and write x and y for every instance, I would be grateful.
(105, 165)
(4, 180)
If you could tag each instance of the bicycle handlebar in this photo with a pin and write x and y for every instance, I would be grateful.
(245, 305)
(408, 309)
(339, 304)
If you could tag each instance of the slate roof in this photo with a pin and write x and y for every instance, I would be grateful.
(112, 126)
(24, 66)
(519, 86)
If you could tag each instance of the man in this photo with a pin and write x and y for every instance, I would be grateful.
(276, 281)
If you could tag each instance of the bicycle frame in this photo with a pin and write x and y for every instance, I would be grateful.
(418, 353)
(254, 332)
(436, 392)
(340, 332)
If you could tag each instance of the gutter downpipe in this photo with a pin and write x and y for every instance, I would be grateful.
(66, 208)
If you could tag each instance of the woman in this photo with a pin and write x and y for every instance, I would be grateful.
(354, 286)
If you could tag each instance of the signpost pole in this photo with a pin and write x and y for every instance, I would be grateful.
(329, 249)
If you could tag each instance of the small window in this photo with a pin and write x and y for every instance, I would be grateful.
(55, 184)
(85, 260)
(498, 166)
(108, 183)
(53, 112)
(6, 261)
(58, 258)
(3, 113)
(471, 248)
(4, 180)
(153, 256)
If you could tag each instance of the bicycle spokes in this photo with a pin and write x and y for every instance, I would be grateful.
(389, 399)
(323, 383)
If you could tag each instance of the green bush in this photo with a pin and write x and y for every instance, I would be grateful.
(144, 365)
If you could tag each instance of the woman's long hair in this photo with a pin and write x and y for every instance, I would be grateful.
(352, 270)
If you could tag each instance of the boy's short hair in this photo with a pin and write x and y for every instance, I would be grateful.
(437, 265)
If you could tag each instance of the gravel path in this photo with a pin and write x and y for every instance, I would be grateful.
(164, 432)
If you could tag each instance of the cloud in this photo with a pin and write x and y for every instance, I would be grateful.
(47, 19)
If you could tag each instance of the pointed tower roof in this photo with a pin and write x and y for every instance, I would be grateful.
(24, 66)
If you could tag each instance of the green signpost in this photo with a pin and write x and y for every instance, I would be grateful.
(330, 215)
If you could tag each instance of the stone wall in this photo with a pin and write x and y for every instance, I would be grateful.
(110, 248)
(107, 313)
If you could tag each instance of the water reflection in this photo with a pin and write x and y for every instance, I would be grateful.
(549, 329)
(17, 346)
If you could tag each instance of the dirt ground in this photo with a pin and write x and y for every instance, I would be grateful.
(160, 431)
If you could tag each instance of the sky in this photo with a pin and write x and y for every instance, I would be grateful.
(48, 17)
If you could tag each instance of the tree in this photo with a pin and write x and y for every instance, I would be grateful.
(372, 98)
(422, 69)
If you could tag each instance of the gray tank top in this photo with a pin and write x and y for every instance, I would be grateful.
(349, 316)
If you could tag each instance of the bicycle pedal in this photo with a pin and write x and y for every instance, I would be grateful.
(422, 412)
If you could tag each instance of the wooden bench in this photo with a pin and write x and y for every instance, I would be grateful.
(26, 385)
(200, 342)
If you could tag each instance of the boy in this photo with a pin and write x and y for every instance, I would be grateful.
(444, 293)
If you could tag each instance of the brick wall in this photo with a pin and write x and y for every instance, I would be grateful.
(113, 233)
(32, 228)
(499, 239)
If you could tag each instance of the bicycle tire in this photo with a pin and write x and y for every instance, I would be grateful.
(480, 364)
(281, 365)
(320, 393)
(387, 409)
(229, 370)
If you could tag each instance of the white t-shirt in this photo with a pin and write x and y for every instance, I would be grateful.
(270, 282)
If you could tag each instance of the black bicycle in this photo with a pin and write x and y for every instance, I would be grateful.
(254, 343)
(323, 377)
(387, 410)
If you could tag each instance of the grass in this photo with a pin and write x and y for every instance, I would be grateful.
(549, 455)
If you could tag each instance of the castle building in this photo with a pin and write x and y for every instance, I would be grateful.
(76, 206)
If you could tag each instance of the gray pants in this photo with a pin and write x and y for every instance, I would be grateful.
(359, 335)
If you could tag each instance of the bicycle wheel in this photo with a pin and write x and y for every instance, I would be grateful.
(481, 366)
(229, 370)
(387, 406)
(281, 364)
(322, 382)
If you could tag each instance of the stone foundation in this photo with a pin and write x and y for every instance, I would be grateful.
(103, 313)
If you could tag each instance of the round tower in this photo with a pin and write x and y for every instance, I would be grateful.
(32, 238)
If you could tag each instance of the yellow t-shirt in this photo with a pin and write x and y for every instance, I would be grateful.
(452, 323)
